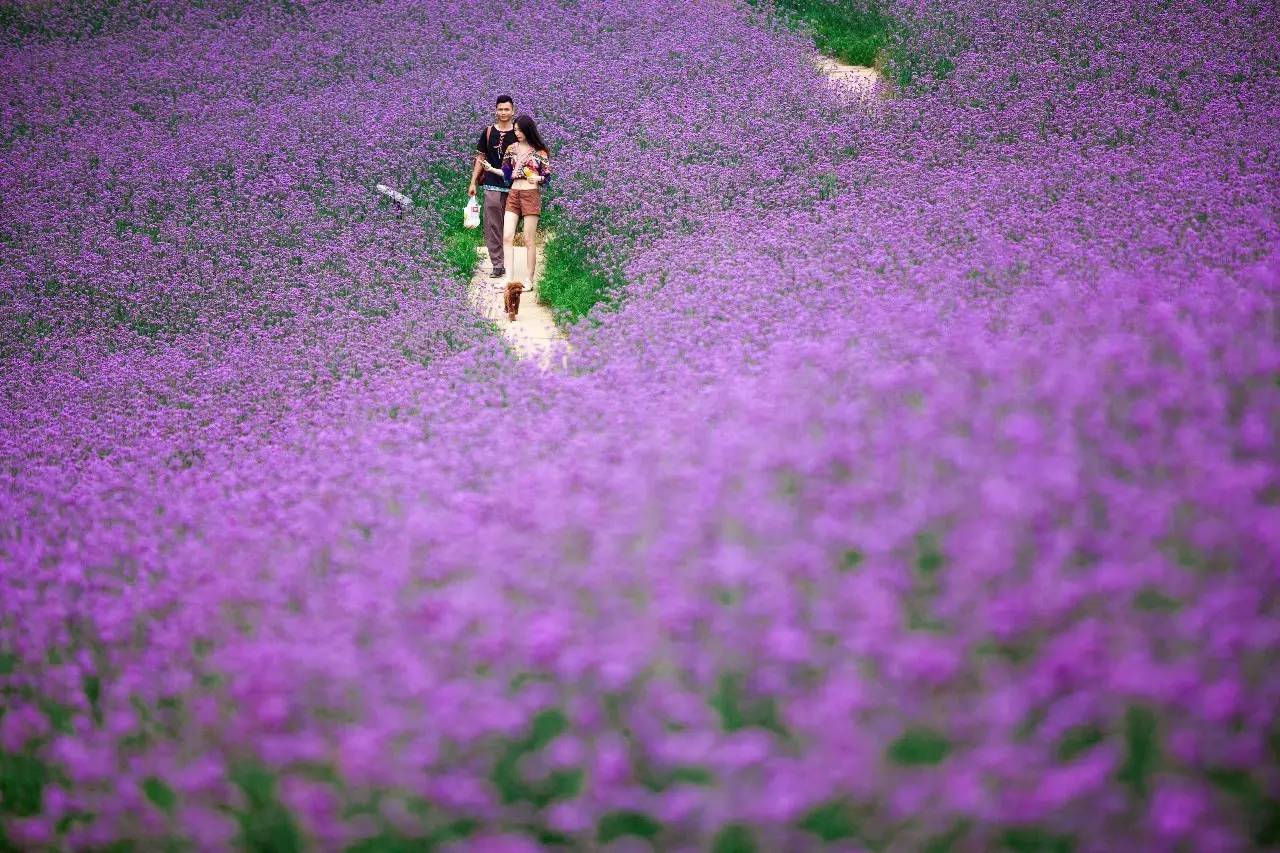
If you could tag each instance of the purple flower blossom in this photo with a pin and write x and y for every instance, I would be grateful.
(922, 481)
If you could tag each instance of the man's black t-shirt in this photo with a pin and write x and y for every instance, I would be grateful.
(491, 144)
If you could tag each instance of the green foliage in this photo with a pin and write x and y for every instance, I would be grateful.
(12, 21)
(926, 585)
(395, 842)
(1142, 749)
(739, 711)
(949, 841)
(1151, 599)
(660, 779)
(160, 794)
(1261, 809)
(921, 53)
(265, 824)
(22, 781)
(93, 692)
(831, 821)
(1078, 740)
(853, 32)
(1033, 839)
(850, 560)
(573, 280)
(512, 787)
(929, 558)
(615, 825)
(919, 746)
(446, 195)
(734, 838)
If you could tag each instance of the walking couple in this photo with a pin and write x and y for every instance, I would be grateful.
(513, 163)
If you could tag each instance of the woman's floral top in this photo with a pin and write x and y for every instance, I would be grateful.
(525, 164)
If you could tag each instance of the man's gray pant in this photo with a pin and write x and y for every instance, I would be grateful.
(495, 212)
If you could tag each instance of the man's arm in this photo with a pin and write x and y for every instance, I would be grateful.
(476, 168)
(475, 174)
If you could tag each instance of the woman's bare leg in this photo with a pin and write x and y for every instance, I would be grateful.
(509, 237)
(531, 245)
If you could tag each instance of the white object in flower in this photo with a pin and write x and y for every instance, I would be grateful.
(399, 198)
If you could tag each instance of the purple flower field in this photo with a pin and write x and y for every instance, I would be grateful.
(920, 490)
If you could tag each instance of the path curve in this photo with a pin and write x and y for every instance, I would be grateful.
(858, 79)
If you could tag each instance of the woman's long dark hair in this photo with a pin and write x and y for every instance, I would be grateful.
(530, 131)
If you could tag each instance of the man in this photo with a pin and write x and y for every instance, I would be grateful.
(489, 148)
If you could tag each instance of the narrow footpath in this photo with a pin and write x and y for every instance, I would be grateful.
(533, 335)
(866, 85)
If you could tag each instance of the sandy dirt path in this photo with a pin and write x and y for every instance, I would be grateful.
(533, 335)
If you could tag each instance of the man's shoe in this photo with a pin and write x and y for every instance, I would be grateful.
(498, 272)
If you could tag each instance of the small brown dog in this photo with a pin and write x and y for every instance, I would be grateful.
(511, 299)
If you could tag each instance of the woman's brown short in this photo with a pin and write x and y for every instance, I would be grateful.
(525, 202)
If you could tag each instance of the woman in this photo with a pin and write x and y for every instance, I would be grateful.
(526, 162)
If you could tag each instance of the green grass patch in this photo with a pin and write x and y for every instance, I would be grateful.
(573, 279)
(853, 32)
(445, 194)
(862, 32)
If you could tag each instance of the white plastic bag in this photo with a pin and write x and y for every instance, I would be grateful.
(471, 214)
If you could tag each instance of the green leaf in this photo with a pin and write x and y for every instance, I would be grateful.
(1033, 839)
(615, 825)
(831, 821)
(545, 727)
(1142, 749)
(265, 824)
(1262, 810)
(1078, 740)
(919, 746)
(850, 560)
(929, 557)
(1151, 599)
(734, 838)
(949, 840)
(160, 794)
(22, 781)
(740, 711)
(93, 692)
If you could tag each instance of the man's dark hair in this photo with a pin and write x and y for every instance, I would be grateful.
(504, 99)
